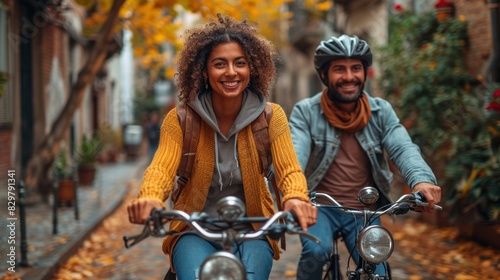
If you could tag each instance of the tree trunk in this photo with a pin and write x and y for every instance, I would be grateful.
(41, 160)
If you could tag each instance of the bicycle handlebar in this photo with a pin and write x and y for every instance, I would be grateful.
(405, 203)
(155, 227)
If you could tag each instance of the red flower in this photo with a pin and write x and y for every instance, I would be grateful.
(493, 106)
(443, 3)
(397, 7)
(496, 93)
(371, 73)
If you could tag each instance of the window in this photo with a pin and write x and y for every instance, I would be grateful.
(7, 97)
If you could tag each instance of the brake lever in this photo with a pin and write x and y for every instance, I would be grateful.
(292, 229)
(402, 208)
(134, 239)
(312, 196)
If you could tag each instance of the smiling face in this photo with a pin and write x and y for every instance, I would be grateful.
(228, 71)
(346, 78)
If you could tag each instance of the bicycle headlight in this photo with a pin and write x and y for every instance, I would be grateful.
(222, 266)
(368, 195)
(375, 244)
(230, 208)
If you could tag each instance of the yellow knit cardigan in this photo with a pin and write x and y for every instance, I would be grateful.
(159, 176)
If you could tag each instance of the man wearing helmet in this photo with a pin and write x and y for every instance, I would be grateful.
(341, 136)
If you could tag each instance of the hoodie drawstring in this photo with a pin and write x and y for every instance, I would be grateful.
(217, 160)
(235, 155)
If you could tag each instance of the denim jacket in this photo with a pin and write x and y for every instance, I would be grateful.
(317, 143)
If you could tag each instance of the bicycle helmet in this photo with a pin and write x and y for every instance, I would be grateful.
(340, 48)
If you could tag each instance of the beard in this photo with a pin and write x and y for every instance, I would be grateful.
(335, 95)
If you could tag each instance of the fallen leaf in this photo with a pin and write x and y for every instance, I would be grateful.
(461, 276)
(87, 273)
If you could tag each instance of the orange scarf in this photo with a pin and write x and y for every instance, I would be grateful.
(350, 122)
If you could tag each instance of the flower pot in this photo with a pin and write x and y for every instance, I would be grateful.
(488, 234)
(66, 192)
(86, 175)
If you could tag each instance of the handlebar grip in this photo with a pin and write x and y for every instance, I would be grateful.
(419, 196)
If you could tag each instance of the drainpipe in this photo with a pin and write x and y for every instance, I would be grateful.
(494, 68)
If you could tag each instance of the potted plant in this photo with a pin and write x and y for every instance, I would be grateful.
(64, 174)
(111, 144)
(86, 156)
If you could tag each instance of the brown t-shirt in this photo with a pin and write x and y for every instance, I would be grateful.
(349, 172)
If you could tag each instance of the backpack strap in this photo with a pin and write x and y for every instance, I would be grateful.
(190, 123)
(260, 131)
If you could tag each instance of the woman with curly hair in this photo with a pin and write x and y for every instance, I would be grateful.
(225, 72)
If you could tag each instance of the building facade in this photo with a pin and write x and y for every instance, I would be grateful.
(42, 50)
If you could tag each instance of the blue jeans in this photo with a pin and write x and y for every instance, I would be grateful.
(191, 250)
(314, 256)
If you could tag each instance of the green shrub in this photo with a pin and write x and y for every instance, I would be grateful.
(423, 74)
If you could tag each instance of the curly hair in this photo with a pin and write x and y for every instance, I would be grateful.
(202, 39)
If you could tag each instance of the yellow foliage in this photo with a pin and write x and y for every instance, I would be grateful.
(432, 65)
(158, 22)
(138, 51)
(324, 6)
(105, 5)
(169, 74)
(85, 3)
(159, 38)
(152, 52)
(318, 5)
(165, 3)
(471, 178)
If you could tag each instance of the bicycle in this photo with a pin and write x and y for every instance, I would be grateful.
(223, 264)
(375, 243)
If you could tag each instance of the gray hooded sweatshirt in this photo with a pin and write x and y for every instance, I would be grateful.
(227, 179)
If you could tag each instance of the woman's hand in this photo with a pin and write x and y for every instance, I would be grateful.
(305, 212)
(140, 209)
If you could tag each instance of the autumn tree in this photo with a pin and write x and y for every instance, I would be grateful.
(153, 23)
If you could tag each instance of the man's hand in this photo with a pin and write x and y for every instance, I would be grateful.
(305, 212)
(432, 194)
(140, 209)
